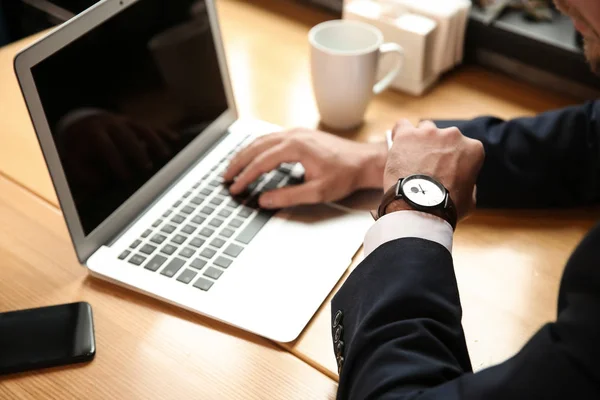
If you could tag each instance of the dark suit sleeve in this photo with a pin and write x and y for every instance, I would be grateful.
(402, 335)
(551, 160)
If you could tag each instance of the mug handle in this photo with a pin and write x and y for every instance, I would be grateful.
(387, 80)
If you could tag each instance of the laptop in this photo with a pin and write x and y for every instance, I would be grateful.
(133, 107)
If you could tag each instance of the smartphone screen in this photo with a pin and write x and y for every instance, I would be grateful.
(46, 337)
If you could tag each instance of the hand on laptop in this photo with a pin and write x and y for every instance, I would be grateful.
(100, 145)
(445, 154)
(334, 167)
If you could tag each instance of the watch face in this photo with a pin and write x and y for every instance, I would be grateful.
(423, 191)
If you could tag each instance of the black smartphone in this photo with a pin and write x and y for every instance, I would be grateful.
(46, 337)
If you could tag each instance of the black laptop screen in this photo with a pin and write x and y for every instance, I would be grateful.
(126, 97)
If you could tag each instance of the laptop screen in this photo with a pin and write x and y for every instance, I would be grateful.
(127, 97)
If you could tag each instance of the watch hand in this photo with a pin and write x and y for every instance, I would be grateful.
(422, 189)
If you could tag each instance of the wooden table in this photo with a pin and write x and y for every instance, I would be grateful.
(508, 264)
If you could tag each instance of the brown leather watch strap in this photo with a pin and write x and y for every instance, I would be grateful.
(389, 196)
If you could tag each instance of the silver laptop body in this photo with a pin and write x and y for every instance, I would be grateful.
(133, 108)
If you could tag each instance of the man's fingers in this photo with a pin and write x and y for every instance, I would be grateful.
(400, 126)
(307, 193)
(245, 156)
(265, 162)
(427, 124)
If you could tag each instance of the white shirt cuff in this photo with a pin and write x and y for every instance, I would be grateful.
(404, 224)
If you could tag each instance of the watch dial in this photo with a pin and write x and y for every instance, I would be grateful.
(423, 192)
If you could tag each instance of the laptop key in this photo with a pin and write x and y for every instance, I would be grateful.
(135, 243)
(173, 267)
(233, 203)
(251, 187)
(168, 249)
(187, 276)
(136, 259)
(187, 252)
(168, 228)
(124, 254)
(277, 177)
(214, 273)
(198, 263)
(270, 185)
(245, 212)
(206, 191)
(187, 210)
(197, 242)
(207, 232)
(224, 192)
(167, 213)
(196, 185)
(179, 239)
(223, 262)
(208, 253)
(158, 238)
(233, 250)
(217, 242)
(177, 204)
(157, 223)
(255, 225)
(203, 284)
(236, 223)
(207, 210)
(189, 229)
(197, 200)
(155, 263)
(198, 219)
(285, 168)
(224, 213)
(146, 233)
(214, 183)
(216, 222)
(147, 249)
(217, 201)
(178, 219)
(186, 195)
(227, 232)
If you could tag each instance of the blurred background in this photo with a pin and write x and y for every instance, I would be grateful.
(504, 38)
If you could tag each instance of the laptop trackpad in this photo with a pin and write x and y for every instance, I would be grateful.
(295, 260)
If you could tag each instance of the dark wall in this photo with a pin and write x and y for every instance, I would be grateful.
(19, 20)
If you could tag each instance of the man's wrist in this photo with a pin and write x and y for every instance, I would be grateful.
(373, 166)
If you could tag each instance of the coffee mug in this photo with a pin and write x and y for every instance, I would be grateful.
(344, 65)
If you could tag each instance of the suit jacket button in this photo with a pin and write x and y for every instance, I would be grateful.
(338, 318)
(339, 348)
(339, 331)
(340, 364)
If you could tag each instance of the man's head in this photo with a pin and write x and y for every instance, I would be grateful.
(586, 15)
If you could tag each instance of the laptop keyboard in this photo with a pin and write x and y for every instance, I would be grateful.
(201, 234)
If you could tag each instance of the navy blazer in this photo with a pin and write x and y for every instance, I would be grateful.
(396, 321)
(551, 160)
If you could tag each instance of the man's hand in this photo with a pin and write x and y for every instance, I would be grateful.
(334, 167)
(445, 154)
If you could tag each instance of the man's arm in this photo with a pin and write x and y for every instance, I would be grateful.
(397, 319)
(551, 160)
(402, 335)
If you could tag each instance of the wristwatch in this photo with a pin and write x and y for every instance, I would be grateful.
(423, 193)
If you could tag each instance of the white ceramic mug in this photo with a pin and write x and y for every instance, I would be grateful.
(344, 64)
